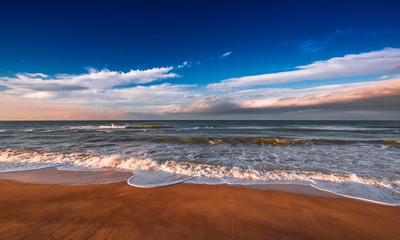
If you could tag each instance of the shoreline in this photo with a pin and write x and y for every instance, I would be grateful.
(185, 211)
(54, 176)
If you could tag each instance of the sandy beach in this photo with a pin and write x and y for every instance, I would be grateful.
(185, 211)
(200, 120)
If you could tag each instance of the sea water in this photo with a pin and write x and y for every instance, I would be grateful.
(355, 158)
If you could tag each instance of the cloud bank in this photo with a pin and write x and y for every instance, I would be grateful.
(268, 100)
(146, 94)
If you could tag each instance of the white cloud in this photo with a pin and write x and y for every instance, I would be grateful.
(226, 54)
(96, 88)
(185, 64)
(36, 75)
(162, 94)
(106, 78)
(363, 64)
(38, 95)
(94, 79)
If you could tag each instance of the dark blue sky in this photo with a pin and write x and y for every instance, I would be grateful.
(257, 37)
(265, 36)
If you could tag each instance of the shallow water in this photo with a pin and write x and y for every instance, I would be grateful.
(357, 158)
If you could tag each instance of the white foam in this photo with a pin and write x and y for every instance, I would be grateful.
(96, 127)
(14, 168)
(31, 159)
(79, 168)
(151, 173)
(151, 179)
(132, 162)
(208, 180)
(54, 176)
(112, 126)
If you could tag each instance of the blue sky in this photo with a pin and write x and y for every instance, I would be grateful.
(196, 59)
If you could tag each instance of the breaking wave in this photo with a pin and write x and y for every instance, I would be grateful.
(16, 160)
(112, 126)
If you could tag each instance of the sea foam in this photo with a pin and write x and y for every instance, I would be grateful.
(150, 173)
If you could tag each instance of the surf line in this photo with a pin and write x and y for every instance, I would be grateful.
(177, 179)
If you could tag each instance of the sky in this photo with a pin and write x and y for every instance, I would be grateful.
(148, 60)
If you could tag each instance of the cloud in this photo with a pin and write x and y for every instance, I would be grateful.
(374, 107)
(171, 101)
(36, 75)
(106, 78)
(24, 103)
(38, 95)
(162, 94)
(313, 46)
(127, 98)
(209, 104)
(383, 77)
(98, 94)
(98, 88)
(326, 94)
(185, 64)
(363, 64)
(225, 54)
(364, 96)
(377, 108)
(22, 83)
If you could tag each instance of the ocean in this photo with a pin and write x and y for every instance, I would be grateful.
(355, 158)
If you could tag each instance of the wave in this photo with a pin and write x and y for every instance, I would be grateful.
(273, 141)
(268, 140)
(156, 179)
(112, 126)
(382, 189)
(298, 129)
(332, 129)
(133, 162)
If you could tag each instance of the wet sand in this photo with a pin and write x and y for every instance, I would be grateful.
(61, 177)
(185, 211)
